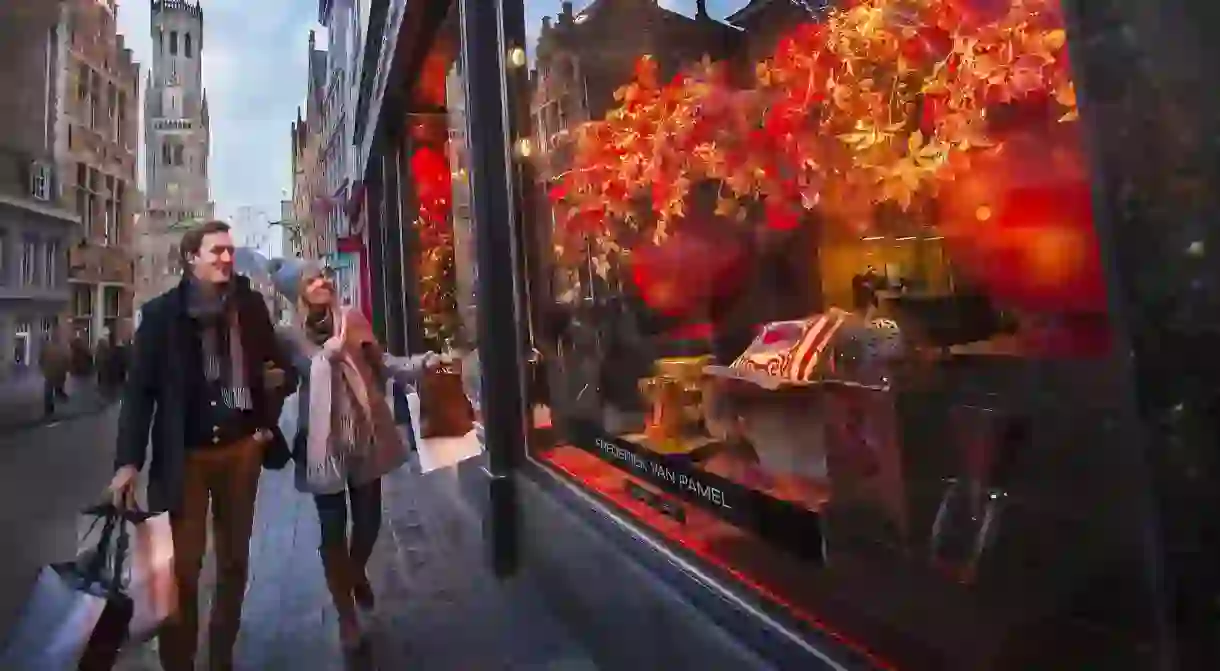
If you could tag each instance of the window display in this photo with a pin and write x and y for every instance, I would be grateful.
(821, 302)
(443, 254)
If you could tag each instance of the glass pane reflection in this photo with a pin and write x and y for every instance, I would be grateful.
(821, 302)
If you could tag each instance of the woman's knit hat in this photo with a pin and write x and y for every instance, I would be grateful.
(288, 273)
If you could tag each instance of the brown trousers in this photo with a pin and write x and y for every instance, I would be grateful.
(227, 477)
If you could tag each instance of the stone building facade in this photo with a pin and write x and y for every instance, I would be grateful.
(176, 143)
(37, 224)
(96, 149)
(310, 199)
(337, 148)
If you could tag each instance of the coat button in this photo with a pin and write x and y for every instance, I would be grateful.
(213, 404)
(215, 441)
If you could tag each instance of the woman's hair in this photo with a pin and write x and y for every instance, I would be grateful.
(302, 305)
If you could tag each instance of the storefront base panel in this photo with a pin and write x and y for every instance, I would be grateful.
(631, 605)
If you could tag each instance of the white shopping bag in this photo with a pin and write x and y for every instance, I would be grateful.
(442, 452)
(445, 451)
(417, 431)
(151, 586)
(56, 625)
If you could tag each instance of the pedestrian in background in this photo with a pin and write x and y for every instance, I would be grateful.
(346, 435)
(54, 361)
(198, 382)
(103, 365)
(81, 358)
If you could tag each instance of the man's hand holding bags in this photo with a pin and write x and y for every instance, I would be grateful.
(122, 488)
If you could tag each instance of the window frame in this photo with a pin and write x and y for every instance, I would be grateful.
(52, 262)
(29, 266)
(639, 527)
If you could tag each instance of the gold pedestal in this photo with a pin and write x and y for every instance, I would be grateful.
(675, 395)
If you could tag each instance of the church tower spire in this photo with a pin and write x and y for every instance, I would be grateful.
(176, 132)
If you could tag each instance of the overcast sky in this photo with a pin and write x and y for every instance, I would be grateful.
(254, 56)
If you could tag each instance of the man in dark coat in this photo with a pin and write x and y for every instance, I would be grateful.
(198, 382)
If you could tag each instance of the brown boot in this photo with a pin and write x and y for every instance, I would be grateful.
(340, 579)
(362, 590)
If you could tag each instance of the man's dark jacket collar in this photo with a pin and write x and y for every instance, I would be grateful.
(241, 289)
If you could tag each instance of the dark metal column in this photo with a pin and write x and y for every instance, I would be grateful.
(396, 341)
(376, 244)
(1151, 107)
(494, 222)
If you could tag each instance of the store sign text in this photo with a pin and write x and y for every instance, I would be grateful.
(659, 472)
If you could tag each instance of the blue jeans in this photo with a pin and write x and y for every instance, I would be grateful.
(364, 501)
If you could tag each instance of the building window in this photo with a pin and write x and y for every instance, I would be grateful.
(115, 232)
(86, 198)
(29, 261)
(177, 154)
(160, 41)
(83, 76)
(173, 43)
(21, 343)
(51, 263)
(4, 251)
(82, 311)
(120, 126)
(112, 308)
(167, 152)
(186, 40)
(833, 346)
(96, 100)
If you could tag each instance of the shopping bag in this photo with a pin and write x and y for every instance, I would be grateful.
(445, 451)
(417, 431)
(151, 584)
(77, 615)
(445, 408)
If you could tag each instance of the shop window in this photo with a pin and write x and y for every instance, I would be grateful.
(443, 253)
(819, 300)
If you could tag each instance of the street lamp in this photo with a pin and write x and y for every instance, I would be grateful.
(294, 228)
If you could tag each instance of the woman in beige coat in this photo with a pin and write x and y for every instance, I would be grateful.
(346, 438)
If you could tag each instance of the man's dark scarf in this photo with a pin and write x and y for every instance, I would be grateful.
(213, 309)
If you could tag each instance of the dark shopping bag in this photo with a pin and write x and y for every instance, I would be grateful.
(444, 408)
(77, 615)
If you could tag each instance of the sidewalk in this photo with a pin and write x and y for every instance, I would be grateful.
(438, 608)
(21, 401)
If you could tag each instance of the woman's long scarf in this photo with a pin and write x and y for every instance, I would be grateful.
(341, 421)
